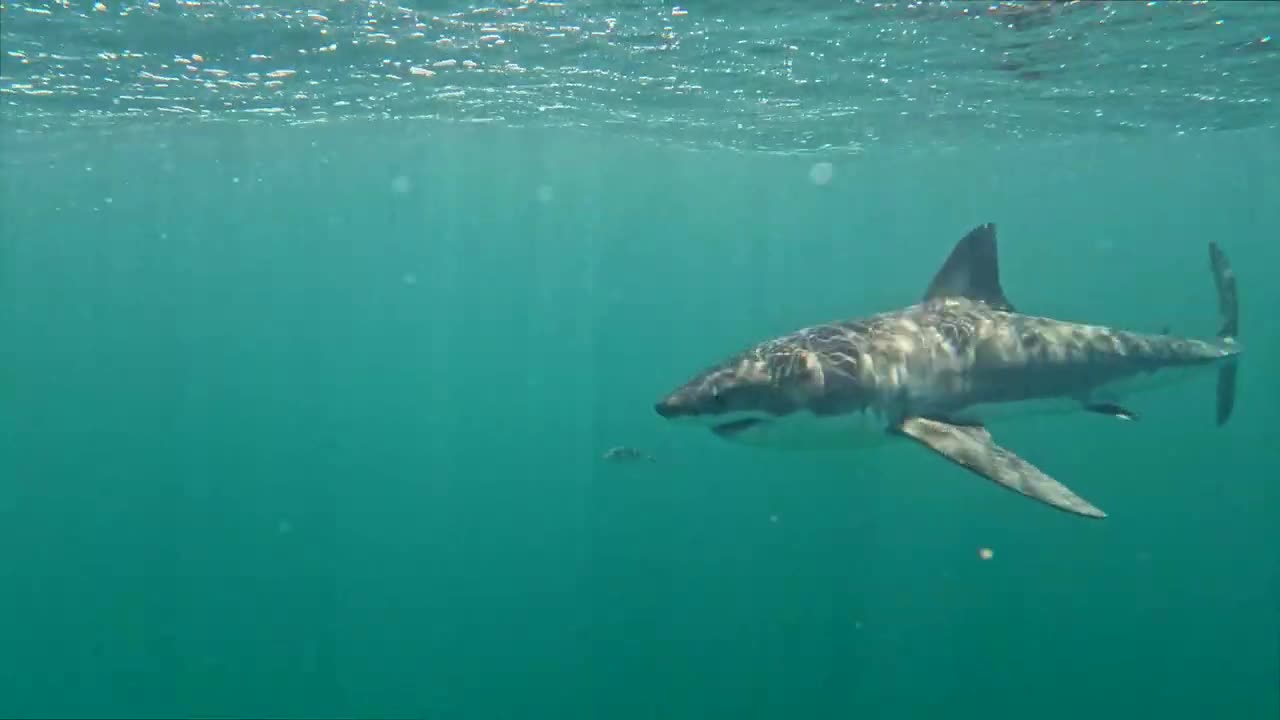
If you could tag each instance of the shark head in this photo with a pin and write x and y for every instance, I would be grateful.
(742, 393)
(773, 394)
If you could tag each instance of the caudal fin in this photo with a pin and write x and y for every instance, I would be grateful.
(1229, 313)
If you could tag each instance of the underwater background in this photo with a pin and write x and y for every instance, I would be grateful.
(317, 322)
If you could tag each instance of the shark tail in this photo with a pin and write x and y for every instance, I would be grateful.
(1229, 313)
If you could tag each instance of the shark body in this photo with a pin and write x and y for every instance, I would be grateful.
(938, 371)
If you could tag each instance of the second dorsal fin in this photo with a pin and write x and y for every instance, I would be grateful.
(972, 271)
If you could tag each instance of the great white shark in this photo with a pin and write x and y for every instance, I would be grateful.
(938, 371)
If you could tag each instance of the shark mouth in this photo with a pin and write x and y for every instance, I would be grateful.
(730, 429)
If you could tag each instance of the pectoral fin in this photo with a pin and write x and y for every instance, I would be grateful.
(971, 447)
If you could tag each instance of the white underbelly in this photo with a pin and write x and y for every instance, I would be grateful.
(805, 431)
(988, 413)
(1114, 392)
(1149, 382)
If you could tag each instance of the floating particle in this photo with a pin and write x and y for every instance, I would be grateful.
(401, 184)
(773, 519)
(820, 173)
(545, 194)
(986, 553)
(284, 527)
(410, 279)
(99, 7)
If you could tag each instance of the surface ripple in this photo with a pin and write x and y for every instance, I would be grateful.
(774, 76)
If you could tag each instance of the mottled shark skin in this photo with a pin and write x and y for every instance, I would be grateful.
(938, 371)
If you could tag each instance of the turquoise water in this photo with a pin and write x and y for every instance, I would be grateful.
(304, 408)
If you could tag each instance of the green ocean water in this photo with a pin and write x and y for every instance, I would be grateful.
(305, 419)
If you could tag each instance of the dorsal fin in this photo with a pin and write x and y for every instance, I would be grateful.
(972, 271)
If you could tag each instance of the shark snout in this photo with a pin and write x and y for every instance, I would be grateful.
(668, 407)
(677, 404)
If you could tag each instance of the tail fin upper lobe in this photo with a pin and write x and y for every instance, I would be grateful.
(1229, 312)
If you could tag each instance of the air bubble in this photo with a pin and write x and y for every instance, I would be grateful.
(820, 173)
